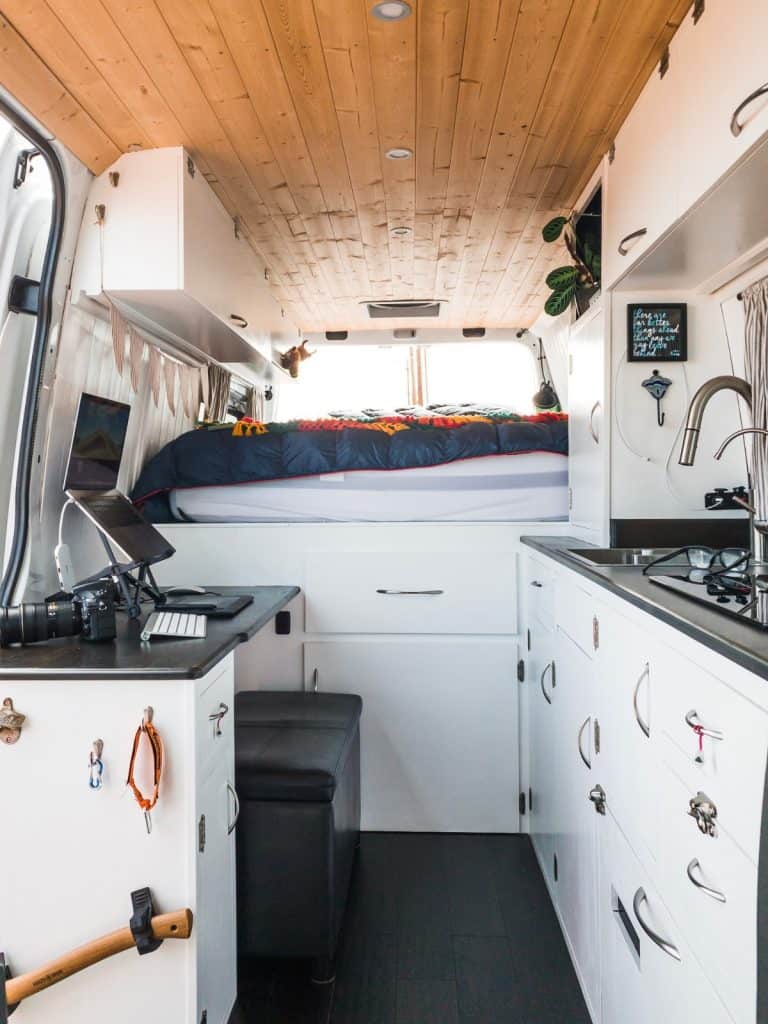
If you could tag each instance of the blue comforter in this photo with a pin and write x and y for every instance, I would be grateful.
(208, 458)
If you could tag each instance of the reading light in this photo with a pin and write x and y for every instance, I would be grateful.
(391, 10)
(401, 232)
(545, 399)
(399, 153)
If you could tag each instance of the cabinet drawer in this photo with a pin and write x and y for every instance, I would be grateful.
(540, 593)
(411, 592)
(732, 768)
(720, 921)
(576, 613)
(215, 723)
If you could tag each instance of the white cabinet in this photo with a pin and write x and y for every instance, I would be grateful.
(541, 672)
(722, 61)
(641, 196)
(587, 423)
(168, 252)
(82, 852)
(438, 730)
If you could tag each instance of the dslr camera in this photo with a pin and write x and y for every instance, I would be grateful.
(89, 612)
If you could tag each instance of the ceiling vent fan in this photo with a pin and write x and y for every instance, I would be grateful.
(403, 308)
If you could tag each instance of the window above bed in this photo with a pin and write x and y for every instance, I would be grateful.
(388, 377)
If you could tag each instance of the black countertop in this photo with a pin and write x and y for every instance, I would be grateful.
(741, 643)
(127, 657)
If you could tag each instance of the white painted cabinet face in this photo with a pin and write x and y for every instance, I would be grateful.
(587, 424)
(438, 730)
(542, 695)
(723, 63)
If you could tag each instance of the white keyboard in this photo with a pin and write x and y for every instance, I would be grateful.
(179, 625)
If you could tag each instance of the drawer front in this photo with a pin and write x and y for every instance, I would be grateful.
(411, 592)
(215, 723)
(576, 613)
(730, 767)
(711, 889)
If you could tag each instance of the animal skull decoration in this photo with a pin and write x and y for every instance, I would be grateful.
(294, 357)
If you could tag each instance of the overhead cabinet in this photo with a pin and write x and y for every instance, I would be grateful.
(157, 241)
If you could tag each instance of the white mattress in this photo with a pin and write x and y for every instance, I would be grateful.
(492, 488)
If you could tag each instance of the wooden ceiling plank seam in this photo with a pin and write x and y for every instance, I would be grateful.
(36, 87)
(145, 31)
(340, 22)
(508, 135)
(582, 123)
(439, 61)
(481, 77)
(300, 51)
(392, 47)
(196, 32)
(59, 50)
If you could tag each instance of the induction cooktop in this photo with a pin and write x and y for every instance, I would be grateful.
(742, 596)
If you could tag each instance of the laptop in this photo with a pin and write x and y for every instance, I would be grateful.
(91, 481)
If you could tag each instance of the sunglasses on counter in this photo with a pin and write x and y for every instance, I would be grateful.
(707, 564)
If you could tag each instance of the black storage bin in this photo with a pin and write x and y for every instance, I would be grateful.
(298, 778)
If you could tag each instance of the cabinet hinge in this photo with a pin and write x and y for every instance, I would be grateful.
(554, 865)
(114, 178)
(612, 153)
(597, 737)
(190, 167)
(521, 671)
(530, 800)
(521, 803)
(595, 632)
(204, 1017)
(698, 10)
(528, 638)
(664, 63)
(236, 226)
(570, 499)
(201, 834)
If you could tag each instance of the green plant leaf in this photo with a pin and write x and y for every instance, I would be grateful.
(552, 231)
(558, 302)
(561, 277)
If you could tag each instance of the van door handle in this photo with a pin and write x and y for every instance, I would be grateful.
(580, 736)
(736, 126)
(664, 944)
(646, 729)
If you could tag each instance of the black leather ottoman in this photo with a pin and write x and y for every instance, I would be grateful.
(298, 778)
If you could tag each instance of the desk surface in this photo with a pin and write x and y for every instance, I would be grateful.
(127, 657)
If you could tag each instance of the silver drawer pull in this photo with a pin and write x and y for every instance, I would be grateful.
(593, 433)
(623, 250)
(646, 729)
(736, 126)
(659, 940)
(692, 721)
(232, 822)
(579, 738)
(547, 668)
(217, 718)
(428, 593)
(706, 889)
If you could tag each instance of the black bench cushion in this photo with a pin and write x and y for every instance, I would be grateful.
(293, 746)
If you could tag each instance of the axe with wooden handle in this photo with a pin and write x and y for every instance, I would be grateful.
(145, 933)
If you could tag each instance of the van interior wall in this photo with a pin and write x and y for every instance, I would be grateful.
(85, 362)
(25, 216)
(647, 482)
(553, 332)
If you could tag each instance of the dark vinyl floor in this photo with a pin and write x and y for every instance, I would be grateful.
(440, 929)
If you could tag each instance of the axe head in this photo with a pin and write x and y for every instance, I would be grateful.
(5, 1009)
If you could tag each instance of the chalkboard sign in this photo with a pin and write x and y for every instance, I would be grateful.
(657, 332)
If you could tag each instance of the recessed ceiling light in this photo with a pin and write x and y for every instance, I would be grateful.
(391, 10)
(401, 232)
(399, 153)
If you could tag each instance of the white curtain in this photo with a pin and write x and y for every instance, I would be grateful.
(756, 363)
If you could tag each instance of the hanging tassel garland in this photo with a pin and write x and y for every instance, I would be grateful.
(136, 345)
(169, 373)
(154, 371)
(118, 326)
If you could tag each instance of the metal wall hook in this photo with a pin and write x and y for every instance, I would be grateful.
(657, 387)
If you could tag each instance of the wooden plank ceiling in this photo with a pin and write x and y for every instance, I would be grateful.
(288, 106)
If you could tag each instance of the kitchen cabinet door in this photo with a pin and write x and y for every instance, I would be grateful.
(723, 63)
(542, 696)
(587, 424)
(439, 730)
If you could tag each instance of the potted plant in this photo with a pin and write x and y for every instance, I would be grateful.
(576, 282)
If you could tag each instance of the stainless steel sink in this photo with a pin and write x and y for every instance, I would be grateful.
(618, 556)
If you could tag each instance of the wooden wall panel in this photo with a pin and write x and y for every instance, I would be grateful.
(289, 106)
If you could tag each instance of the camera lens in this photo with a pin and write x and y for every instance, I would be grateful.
(31, 623)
